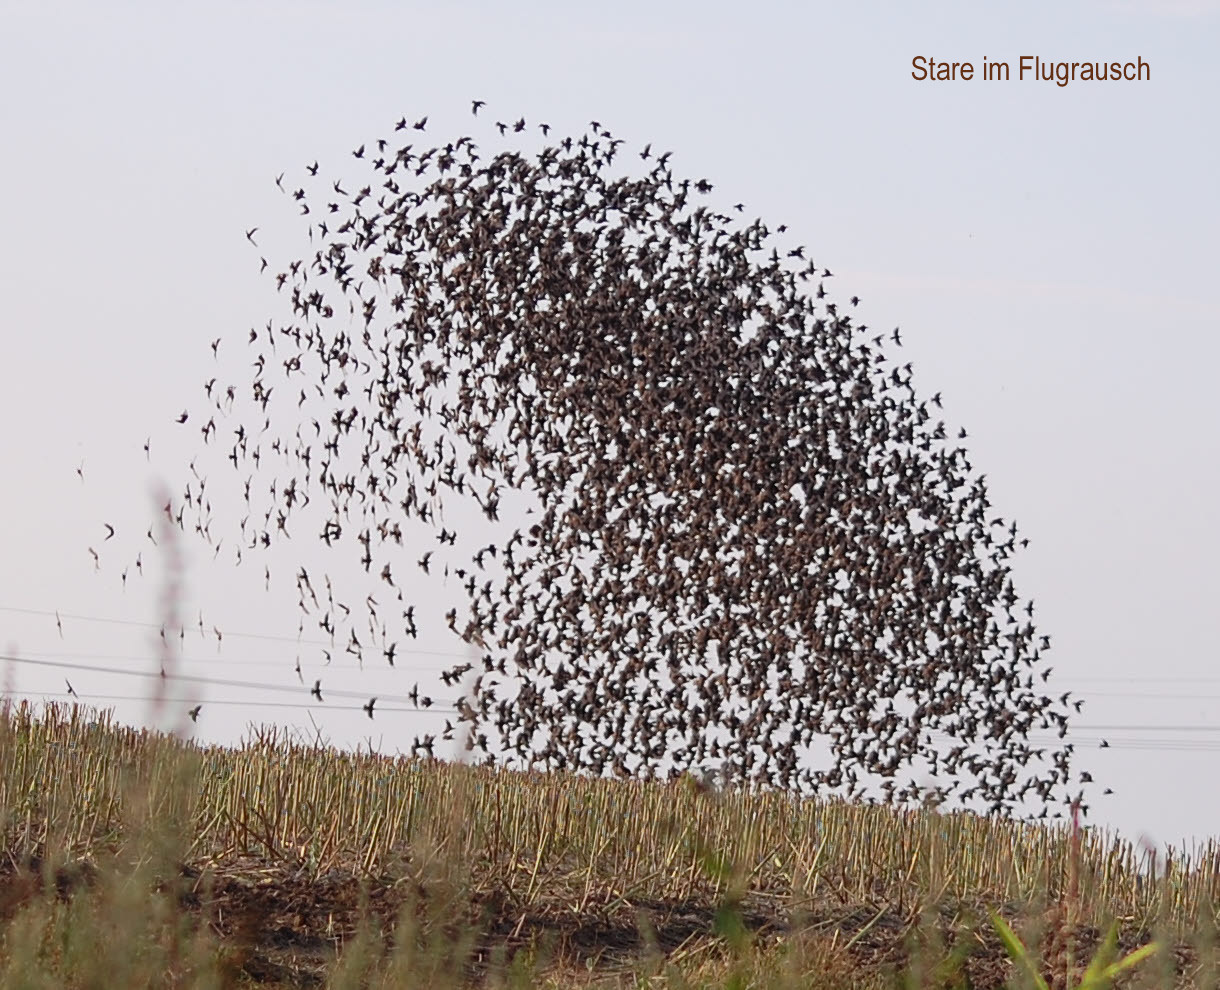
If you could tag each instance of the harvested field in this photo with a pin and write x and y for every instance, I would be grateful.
(276, 865)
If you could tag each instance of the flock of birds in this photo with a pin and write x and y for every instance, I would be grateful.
(753, 545)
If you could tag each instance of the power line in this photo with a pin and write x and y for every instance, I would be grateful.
(315, 665)
(1144, 694)
(220, 682)
(1106, 679)
(215, 661)
(235, 635)
(263, 686)
(297, 641)
(1151, 679)
(1126, 727)
(149, 625)
(1142, 745)
(81, 695)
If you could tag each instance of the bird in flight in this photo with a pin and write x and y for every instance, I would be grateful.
(724, 376)
(109, 531)
(71, 689)
(194, 713)
(250, 235)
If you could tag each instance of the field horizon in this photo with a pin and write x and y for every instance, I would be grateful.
(282, 864)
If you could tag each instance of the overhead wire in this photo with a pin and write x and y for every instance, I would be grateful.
(60, 660)
(296, 641)
(337, 663)
(83, 696)
(191, 678)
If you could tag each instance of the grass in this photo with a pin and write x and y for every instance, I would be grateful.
(138, 859)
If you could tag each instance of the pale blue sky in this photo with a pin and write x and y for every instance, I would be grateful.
(1050, 254)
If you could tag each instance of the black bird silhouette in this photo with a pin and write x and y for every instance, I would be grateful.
(369, 707)
(194, 712)
(317, 690)
(743, 524)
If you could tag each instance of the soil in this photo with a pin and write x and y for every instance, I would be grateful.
(282, 927)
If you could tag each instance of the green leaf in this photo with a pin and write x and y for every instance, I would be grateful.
(728, 924)
(1017, 951)
(1133, 959)
(1105, 954)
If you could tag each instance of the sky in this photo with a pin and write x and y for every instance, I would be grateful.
(1049, 253)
